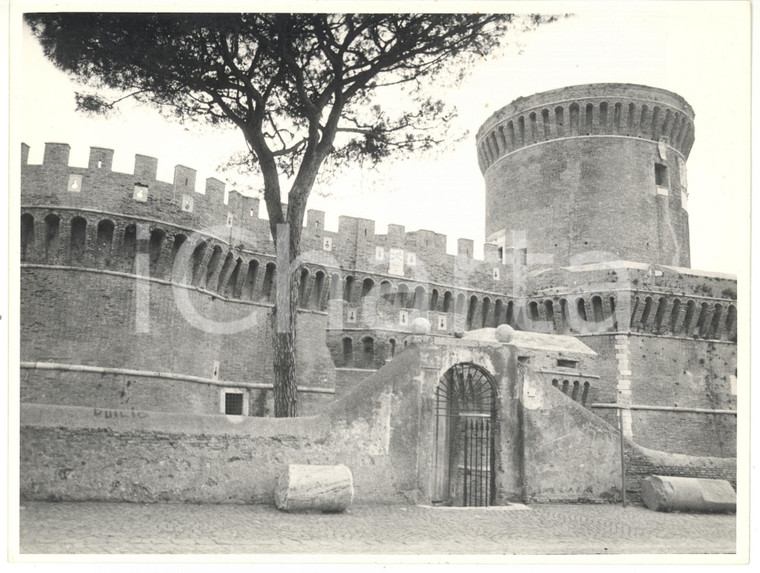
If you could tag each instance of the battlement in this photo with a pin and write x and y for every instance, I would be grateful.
(96, 193)
(96, 218)
(137, 193)
(623, 110)
(140, 194)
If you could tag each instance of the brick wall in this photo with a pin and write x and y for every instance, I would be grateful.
(77, 316)
(88, 318)
(574, 169)
(158, 394)
(697, 434)
(108, 196)
(76, 453)
(690, 374)
(677, 373)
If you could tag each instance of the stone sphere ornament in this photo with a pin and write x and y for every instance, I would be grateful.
(504, 333)
(421, 326)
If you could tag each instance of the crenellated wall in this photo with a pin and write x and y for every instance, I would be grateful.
(147, 311)
(370, 287)
(625, 110)
(363, 279)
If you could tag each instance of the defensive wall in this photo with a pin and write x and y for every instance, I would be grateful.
(384, 430)
(100, 249)
(362, 280)
(146, 312)
(548, 446)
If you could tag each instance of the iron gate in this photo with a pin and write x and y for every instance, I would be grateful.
(465, 428)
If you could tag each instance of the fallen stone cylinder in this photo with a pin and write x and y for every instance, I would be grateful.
(667, 493)
(307, 487)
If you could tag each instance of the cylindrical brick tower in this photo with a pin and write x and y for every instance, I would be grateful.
(590, 173)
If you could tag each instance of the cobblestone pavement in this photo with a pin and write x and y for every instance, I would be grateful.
(94, 528)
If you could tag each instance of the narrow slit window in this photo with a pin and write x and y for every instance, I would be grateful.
(660, 175)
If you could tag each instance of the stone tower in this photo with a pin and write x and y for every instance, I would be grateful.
(590, 173)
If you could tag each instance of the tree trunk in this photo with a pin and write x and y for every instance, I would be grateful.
(284, 344)
(284, 325)
(285, 387)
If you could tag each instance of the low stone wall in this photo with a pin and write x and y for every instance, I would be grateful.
(642, 462)
(75, 453)
(548, 448)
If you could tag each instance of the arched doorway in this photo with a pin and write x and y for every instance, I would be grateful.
(464, 440)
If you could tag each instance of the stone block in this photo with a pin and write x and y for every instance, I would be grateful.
(669, 493)
(314, 487)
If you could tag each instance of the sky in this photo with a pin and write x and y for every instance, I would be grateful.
(700, 50)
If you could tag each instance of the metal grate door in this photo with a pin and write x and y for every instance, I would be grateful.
(465, 425)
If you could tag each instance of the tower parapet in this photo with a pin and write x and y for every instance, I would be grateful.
(595, 171)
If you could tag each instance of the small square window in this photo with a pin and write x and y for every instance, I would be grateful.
(233, 403)
(565, 363)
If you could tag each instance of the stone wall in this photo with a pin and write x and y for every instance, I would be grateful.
(570, 454)
(74, 453)
(547, 447)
